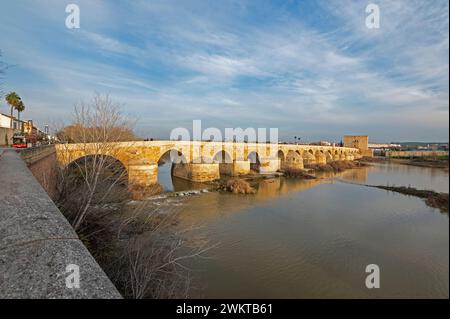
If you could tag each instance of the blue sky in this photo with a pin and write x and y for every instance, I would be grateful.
(310, 68)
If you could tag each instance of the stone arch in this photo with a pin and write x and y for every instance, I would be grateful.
(112, 171)
(169, 164)
(223, 157)
(66, 156)
(254, 159)
(173, 156)
(74, 162)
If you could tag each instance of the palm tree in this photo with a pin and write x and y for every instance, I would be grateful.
(20, 108)
(13, 99)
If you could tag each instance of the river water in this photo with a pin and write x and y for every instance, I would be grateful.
(314, 238)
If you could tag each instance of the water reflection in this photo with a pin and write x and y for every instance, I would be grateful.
(406, 175)
(313, 238)
(172, 183)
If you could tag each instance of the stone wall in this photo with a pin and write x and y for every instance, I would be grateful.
(293, 162)
(42, 163)
(269, 165)
(203, 172)
(360, 142)
(226, 168)
(37, 243)
(142, 174)
(6, 136)
(321, 158)
(241, 168)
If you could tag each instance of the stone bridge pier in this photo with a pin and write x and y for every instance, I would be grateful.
(268, 165)
(197, 172)
(142, 174)
(240, 167)
(293, 162)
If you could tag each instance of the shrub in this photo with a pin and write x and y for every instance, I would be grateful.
(239, 186)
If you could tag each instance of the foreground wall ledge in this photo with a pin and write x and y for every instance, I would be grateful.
(37, 243)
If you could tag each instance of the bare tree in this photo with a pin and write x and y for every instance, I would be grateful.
(150, 264)
(137, 247)
(97, 128)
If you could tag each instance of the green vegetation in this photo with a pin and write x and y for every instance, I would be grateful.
(15, 102)
(20, 108)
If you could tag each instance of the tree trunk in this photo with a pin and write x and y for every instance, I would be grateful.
(20, 124)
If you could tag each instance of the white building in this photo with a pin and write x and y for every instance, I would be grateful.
(6, 133)
(5, 122)
(383, 145)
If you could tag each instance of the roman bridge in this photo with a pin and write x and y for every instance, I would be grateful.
(205, 161)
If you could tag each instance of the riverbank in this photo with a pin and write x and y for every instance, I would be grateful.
(136, 242)
(336, 167)
(424, 162)
(438, 162)
(139, 245)
(432, 198)
(248, 184)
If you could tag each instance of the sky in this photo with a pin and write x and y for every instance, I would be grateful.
(309, 68)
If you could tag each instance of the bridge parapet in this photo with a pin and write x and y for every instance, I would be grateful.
(37, 243)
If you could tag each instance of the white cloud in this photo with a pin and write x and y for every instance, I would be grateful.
(172, 63)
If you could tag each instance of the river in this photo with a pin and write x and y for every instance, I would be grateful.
(314, 238)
